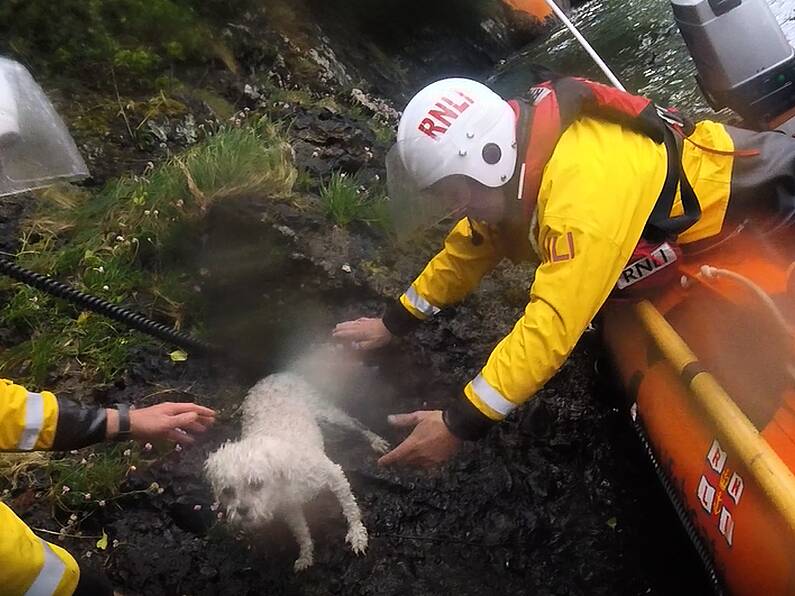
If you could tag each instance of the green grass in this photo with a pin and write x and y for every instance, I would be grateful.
(129, 243)
(345, 201)
(94, 480)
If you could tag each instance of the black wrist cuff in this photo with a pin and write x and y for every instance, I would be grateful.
(125, 432)
(398, 320)
(465, 421)
(78, 426)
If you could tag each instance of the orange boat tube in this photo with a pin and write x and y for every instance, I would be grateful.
(709, 369)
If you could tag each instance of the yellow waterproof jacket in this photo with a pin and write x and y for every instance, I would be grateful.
(597, 192)
(33, 421)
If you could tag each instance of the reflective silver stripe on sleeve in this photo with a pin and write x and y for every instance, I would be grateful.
(50, 575)
(34, 419)
(420, 303)
(491, 397)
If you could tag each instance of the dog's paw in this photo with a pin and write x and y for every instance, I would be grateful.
(303, 562)
(357, 538)
(378, 444)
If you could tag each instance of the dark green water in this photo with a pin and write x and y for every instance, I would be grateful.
(639, 41)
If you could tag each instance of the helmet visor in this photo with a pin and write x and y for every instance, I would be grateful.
(416, 208)
(36, 148)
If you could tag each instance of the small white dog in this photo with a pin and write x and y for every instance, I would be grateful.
(279, 464)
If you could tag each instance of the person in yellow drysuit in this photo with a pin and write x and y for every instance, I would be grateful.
(36, 150)
(577, 177)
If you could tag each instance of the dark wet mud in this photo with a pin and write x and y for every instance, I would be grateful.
(557, 500)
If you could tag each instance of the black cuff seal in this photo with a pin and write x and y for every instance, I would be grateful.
(465, 421)
(79, 426)
(398, 320)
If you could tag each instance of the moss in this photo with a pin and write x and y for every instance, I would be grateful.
(139, 39)
(129, 243)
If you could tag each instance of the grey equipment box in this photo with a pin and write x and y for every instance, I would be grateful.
(743, 59)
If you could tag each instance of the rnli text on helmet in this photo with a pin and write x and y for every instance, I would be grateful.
(444, 115)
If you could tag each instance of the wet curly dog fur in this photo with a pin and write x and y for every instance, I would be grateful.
(279, 464)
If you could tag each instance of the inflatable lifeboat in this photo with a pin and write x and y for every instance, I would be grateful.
(708, 366)
(709, 371)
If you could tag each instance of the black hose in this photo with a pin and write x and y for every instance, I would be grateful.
(100, 306)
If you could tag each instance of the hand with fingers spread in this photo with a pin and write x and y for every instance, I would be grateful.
(363, 333)
(178, 422)
(429, 444)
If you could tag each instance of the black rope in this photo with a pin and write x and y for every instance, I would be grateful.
(100, 306)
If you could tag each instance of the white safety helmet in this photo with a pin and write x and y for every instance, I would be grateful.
(36, 148)
(451, 129)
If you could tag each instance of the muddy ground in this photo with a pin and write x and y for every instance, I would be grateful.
(557, 500)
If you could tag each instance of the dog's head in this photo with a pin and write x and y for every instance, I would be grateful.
(248, 479)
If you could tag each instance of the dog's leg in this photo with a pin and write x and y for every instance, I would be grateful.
(294, 516)
(357, 533)
(332, 415)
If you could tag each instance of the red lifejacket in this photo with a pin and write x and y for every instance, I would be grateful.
(548, 109)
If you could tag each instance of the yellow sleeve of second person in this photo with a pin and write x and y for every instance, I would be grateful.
(31, 565)
(454, 272)
(28, 420)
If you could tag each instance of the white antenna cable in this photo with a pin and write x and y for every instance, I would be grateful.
(586, 46)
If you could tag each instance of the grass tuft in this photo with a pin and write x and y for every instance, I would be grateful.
(346, 201)
(128, 244)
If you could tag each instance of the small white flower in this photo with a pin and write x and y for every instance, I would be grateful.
(127, 453)
(84, 461)
(148, 447)
(180, 203)
(343, 175)
(178, 448)
(73, 517)
(315, 153)
(156, 212)
(102, 503)
(147, 212)
(87, 496)
(74, 452)
(106, 287)
(346, 268)
(88, 554)
(116, 543)
(100, 269)
(215, 506)
(220, 515)
(65, 489)
(160, 490)
(367, 149)
(119, 238)
(133, 468)
(197, 507)
(154, 487)
(377, 177)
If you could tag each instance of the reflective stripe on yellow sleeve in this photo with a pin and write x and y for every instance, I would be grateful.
(418, 305)
(488, 400)
(28, 420)
(50, 576)
(34, 420)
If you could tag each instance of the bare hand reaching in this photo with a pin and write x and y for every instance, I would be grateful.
(363, 333)
(178, 422)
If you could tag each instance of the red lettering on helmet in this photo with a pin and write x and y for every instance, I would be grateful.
(459, 107)
(465, 96)
(428, 127)
(442, 114)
